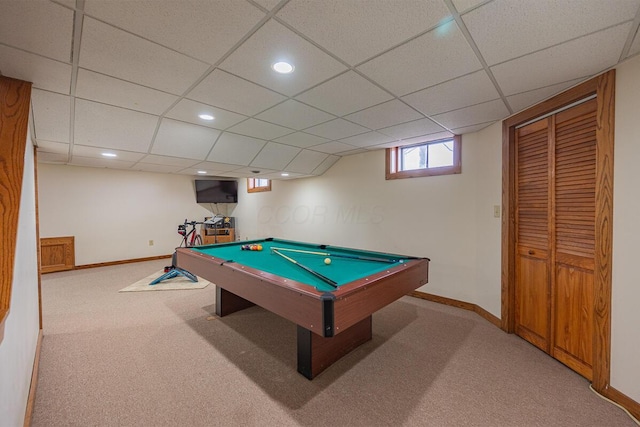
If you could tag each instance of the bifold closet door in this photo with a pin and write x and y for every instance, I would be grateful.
(532, 290)
(575, 211)
(555, 235)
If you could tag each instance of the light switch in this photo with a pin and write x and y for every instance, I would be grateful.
(496, 211)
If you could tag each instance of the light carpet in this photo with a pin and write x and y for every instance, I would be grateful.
(175, 283)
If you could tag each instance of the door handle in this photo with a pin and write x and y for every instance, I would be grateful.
(532, 252)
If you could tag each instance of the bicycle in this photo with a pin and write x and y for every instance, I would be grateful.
(192, 237)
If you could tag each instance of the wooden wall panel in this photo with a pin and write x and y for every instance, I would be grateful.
(57, 254)
(14, 119)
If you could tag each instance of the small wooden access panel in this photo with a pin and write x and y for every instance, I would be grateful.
(57, 254)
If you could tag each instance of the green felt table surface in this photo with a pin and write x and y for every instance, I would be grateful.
(341, 270)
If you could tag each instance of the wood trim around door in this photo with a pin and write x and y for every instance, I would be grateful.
(603, 87)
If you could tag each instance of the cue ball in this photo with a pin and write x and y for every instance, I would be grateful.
(327, 261)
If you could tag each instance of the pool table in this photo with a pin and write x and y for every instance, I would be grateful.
(332, 318)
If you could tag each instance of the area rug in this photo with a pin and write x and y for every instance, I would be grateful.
(176, 283)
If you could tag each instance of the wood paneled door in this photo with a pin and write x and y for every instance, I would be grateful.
(555, 237)
(557, 184)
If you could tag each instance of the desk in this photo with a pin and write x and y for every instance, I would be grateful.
(331, 321)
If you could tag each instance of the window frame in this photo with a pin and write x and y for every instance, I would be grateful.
(392, 161)
(253, 188)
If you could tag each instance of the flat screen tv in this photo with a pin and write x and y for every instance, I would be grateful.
(216, 191)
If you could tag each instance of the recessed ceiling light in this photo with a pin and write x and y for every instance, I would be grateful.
(202, 172)
(284, 174)
(283, 67)
(206, 116)
(109, 155)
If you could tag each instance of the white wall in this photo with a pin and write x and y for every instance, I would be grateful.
(21, 327)
(448, 219)
(625, 339)
(113, 213)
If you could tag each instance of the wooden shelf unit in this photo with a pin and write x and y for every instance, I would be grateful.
(211, 235)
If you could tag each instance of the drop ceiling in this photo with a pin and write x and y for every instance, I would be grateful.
(131, 77)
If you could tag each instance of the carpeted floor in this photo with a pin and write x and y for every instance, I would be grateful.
(164, 359)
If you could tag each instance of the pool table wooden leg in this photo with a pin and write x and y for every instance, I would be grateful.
(228, 302)
(316, 353)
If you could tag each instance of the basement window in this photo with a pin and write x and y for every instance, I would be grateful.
(441, 157)
(257, 185)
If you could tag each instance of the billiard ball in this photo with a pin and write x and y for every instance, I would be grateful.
(244, 247)
(258, 247)
(327, 261)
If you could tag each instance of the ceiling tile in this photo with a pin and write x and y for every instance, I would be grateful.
(272, 43)
(114, 52)
(524, 100)
(295, 115)
(635, 47)
(411, 129)
(181, 139)
(120, 93)
(333, 147)
(440, 55)
(467, 90)
(464, 5)
(51, 115)
(43, 73)
(472, 128)
(216, 167)
(168, 161)
(384, 24)
(201, 29)
(325, 165)
(188, 111)
(290, 175)
(53, 147)
(481, 113)
(250, 171)
(44, 157)
(387, 114)
(148, 167)
(69, 3)
(260, 129)
(233, 93)
(345, 94)
(581, 57)
(526, 27)
(337, 129)
(306, 161)
(235, 149)
(301, 139)
(100, 125)
(37, 26)
(84, 151)
(100, 163)
(268, 4)
(367, 139)
(275, 156)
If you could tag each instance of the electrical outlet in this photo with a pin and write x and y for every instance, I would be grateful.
(150, 242)
(496, 211)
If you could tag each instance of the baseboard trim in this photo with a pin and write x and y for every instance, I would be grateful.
(623, 400)
(34, 383)
(124, 261)
(459, 304)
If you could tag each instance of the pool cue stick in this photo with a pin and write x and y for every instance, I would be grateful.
(315, 273)
(363, 258)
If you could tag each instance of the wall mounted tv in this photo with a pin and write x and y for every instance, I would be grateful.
(216, 191)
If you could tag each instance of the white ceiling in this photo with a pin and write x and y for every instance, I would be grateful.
(131, 77)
